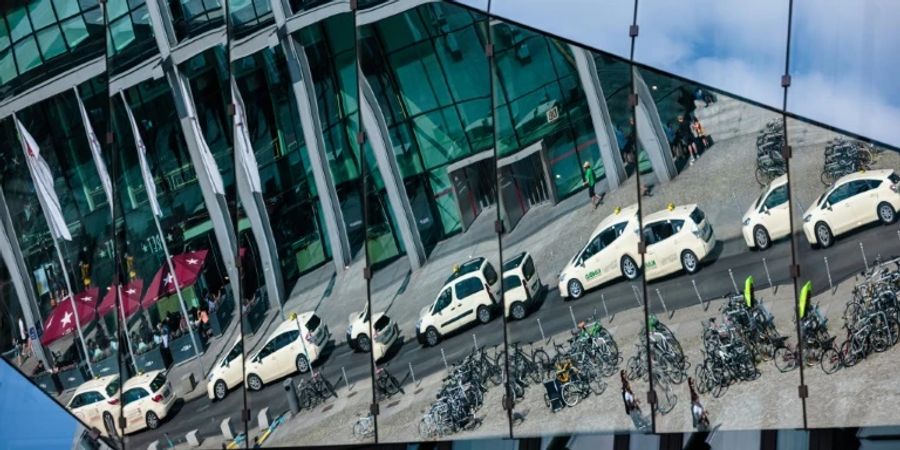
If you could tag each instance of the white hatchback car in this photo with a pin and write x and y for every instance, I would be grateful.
(227, 373)
(769, 217)
(467, 296)
(611, 252)
(522, 286)
(96, 403)
(286, 352)
(855, 200)
(677, 238)
(386, 333)
(146, 401)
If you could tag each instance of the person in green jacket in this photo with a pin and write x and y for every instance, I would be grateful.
(749, 294)
(590, 180)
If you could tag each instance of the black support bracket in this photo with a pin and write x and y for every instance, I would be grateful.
(110, 137)
(489, 50)
(373, 409)
(633, 100)
(633, 31)
(795, 271)
(785, 80)
(361, 138)
(651, 397)
(367, 273)
(786, 151)
(245, 415)
(803, 391)
(642, 248)
(498, 226)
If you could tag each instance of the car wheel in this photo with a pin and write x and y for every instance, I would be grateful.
(152, 420)
(220, 390)
(302, 364)
(886, 213)
(576, 290)
(110, 424)
(517, 310)
(254, 382)
(689, 262)
(761, 237)
(432, 337)
(484, 314)
(629, 268)
(363, 343)
(823, 235)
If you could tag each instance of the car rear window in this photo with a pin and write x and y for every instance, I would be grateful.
(382, 322)
(112, 388)
(313, 323)
(158, 382)
(697, 215)
(528, 268)
(490, 274)
(894, 178)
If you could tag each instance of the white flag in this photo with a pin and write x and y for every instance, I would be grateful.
(243, 148)
(96, 152)
(209, 162)
(149, 184)
(43, 184)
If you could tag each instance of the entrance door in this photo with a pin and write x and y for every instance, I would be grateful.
(523, 185)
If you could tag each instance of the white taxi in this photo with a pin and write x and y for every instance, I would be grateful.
(611, 252)
(227, 373)
(386, 333)
(676, 238)
(286, 352)
(146, 401)
(467, 296)
(768, 219)
(522, 286)
(96, 403)
(856, 199)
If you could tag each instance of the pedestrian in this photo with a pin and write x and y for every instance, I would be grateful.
(590, 180)
(701, 420)
(26, 339)
(632, 405)
(700, 133)
(686, 134)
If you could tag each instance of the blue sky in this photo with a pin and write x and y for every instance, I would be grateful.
(844, 55)
(28, 418)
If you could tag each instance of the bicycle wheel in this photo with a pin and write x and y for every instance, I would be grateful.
(571, 394)
(785, 359)
(666, 401)
(831, 361)
(598, 386)
(541, 361)
(848, 354)
(761, 176)
(702, 374)
(827, 178)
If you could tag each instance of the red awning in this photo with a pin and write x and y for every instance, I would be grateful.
(131, 299)
(187, 269)
(61, 321)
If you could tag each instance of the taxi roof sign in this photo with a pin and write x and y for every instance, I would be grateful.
(670, 206)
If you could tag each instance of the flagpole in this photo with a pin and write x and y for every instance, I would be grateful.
(156, 212)
(62, 265)
(121, 306)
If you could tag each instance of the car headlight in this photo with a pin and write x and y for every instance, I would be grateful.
(209, 376)
(746, 221)
(562, 276)
(807, 218)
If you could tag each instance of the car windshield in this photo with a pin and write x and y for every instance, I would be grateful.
(761, 196)
(697, 215)
(821, 197)
(313, 323)
(466, 268)
(382, 322)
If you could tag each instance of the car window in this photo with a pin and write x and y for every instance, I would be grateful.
(284, 339)
(839, 194)
(490, 274)
(511, 282)
(78, 401)
(528, 268)
(660, 231)
(158, 381)
(592, 248)
(133, 395)
(236, 351)
(443, 301)
(607, 237)
(859, 186)
(86, 398)
(313, 323)
(468, 287)
(112, 388)
(267, 349)
(777, 197)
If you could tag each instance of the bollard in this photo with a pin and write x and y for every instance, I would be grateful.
(475, 340)
(227, 432)
(733, 283)
(412, 374)
(666, 309)
(541, 327)
(637, 296)
(828, 271)
(768, 277)
(605, 310)
(863, 251)
(192, 439)
(346, 380)
(263, 419)
(291, 392)
(444, 357)
(572, 315)
(699, 298)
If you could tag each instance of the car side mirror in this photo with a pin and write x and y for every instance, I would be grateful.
(580, 262)
(765, 210)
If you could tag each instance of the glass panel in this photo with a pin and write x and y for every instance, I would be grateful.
(602, 25)
(711, 230)
(75, 31)
(51, 42)
(436, 258)
(65, 8)
(733, 45)
(18, 24)
(41, 12)
(27, 55)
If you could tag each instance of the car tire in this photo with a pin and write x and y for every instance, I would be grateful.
(483, 314)
(152, 420)
(629, 268)
(824, 237)
(254, 382)
(761, 237)
(432, 337)
(220, 390)
(302, 363)
(363, 343)
(110, 424)
(518, 310)
(576, 290)
(886, 213)
(689, 262)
